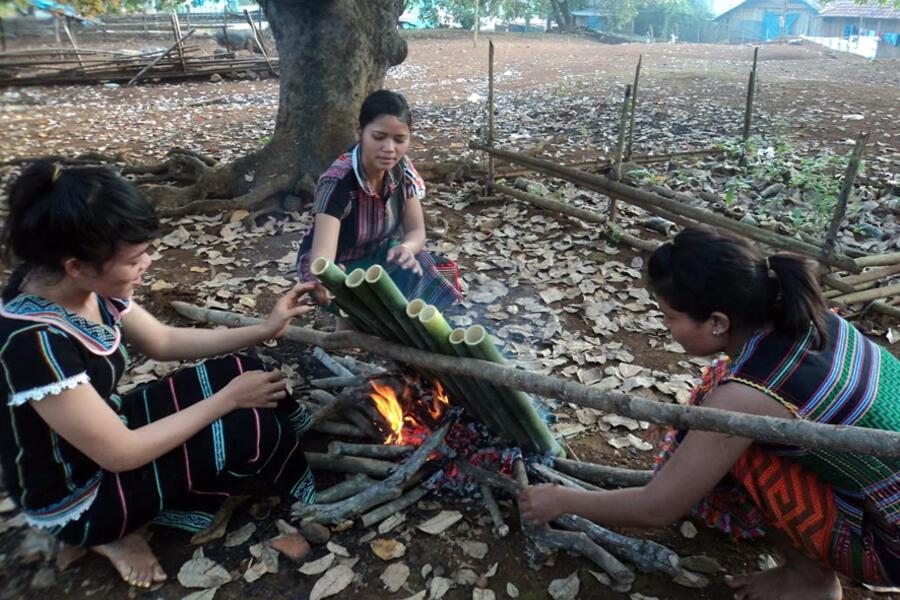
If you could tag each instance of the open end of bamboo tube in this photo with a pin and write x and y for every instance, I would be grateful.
(427, 313)
(373, 273)
(414, 308)
(356, 278)
(329, 295)
(475, 334)
(319, 265)
(458, 336)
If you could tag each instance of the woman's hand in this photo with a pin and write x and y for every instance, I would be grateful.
(541, 504)
(255, 389)
(402, 255)
(293, 304)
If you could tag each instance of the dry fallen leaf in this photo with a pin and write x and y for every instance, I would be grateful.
(202, 572)
(334, 581)
(386, 549)
(395, 576)
(443, 521)
(314, 567)
(565, 589)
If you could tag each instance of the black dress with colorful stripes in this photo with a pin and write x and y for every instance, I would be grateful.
(47, 349)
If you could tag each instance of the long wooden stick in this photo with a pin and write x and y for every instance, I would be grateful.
(840, 208)
(72, 40)
(140, 74)
(634, 96)
(866, 295)
(176, 29)
(490, 106)
(879, 260)
(620, 151)
(873, 275)
(603, 474)
(258, 37)
(655, 202)
(769, 429)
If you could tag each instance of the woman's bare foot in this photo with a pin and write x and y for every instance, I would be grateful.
(67, 555)
(133, 559)
(791, 581)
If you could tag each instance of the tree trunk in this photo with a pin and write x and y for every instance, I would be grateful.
(563, 14)
(331, 56)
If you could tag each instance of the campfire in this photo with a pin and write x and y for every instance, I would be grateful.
(413, 442)
(409, 419)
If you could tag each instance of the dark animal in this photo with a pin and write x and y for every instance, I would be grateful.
(238, 39)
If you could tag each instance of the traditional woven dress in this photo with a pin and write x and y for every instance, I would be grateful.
(371, 224)
(46, 350)
(841, 508)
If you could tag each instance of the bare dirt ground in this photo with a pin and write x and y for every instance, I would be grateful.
(562, 91)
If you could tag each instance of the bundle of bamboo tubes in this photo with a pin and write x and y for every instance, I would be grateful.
(373, 303)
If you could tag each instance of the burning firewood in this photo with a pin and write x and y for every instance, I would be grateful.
(376, 305)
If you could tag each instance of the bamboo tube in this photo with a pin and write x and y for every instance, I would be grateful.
(333, 278)
(489, 395)
(364, 296)
(436, 328)
(482, 346)
(865, 296)
(389, 295)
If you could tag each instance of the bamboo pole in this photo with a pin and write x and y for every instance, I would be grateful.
(620, 150)
(840, 208)
(768, 429)
(333, 279)
(634, 92)
(259, 42)
(519, 405)
(873, 275)
(490, 103)
(389, 296)
(69, 35)
(176, 29)
(879, 260)
(159, 58)
(661, 205)
(866, 295)
(751, 92)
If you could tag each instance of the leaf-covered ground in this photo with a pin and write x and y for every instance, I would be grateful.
(561, 297)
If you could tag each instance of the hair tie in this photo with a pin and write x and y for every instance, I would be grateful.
(57, 173)
(769, 270)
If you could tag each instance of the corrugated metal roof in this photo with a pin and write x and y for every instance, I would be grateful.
(812, 4)
(849, 8)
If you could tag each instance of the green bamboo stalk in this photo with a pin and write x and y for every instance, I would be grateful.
(364, 295)
(480, 403)
(490, 398)
(394, 302)
(333, 279)
(482, 346)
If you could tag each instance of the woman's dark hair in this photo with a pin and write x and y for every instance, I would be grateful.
(384, 102)
(701, 272)
(78, 212)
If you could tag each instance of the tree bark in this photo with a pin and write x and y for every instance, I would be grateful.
(331, 56)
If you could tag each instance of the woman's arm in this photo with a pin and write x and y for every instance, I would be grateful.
(85, 420)
(163, 342)
(324, 243)
(702, 459)
(413, 242)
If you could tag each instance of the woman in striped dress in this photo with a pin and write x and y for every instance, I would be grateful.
(830, 512)
(368, 209)
(92, 466)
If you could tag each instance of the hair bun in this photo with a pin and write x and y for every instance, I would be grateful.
(34, 181)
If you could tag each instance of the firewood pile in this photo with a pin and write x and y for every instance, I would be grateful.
(410, 443)
(66, 66)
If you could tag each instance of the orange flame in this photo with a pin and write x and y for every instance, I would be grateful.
(409, 428)
(386, 402)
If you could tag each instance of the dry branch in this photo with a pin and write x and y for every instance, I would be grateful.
(394, 506)
(879, 260)
(337, 448)
(770, 429)
(383, 491)
(345, 489)
(866, 295)
(490, 503)
(554, 476)
(350, 464)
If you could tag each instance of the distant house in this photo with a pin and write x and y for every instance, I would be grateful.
(595, 16)
(843, 18)
(868, 30)
(760, 20)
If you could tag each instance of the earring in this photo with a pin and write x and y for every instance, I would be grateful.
(715, 332)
